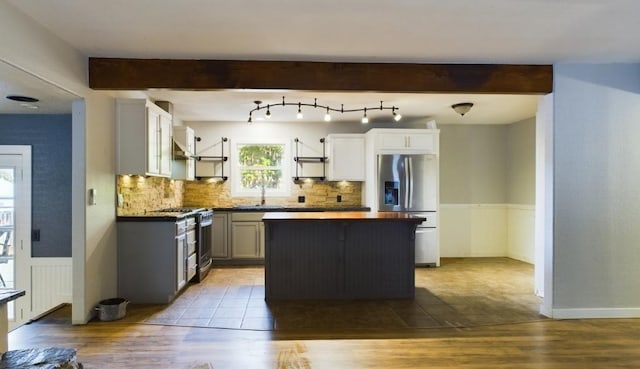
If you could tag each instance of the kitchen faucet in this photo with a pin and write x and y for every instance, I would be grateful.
(262, 191)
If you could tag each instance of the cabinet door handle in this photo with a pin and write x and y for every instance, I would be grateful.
(158, 146)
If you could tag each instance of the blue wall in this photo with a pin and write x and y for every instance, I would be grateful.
(50, 139)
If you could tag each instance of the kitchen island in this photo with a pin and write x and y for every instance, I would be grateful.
(6, 296)
(339, 255)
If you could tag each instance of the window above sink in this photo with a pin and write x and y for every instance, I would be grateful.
(260, 168)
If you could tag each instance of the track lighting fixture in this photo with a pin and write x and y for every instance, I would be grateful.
(327, 117)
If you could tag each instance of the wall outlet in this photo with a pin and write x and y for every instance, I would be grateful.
(339, 198)
(300, 199)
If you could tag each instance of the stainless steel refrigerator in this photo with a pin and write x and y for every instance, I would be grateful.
(409, 183)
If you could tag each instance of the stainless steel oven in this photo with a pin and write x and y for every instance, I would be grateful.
(200, 239)
(204, 220)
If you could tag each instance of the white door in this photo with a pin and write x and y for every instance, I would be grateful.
(15, 226)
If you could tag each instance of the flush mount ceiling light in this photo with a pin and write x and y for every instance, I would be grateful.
(462, 108)
(25, 99)
(327, 115)
(26, 102)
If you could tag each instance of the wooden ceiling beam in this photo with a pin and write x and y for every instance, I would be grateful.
(142, 74)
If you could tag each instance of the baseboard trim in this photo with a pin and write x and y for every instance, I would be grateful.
(598, 313)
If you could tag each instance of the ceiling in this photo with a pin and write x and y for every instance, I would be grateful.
(419, 31)
(14, 81)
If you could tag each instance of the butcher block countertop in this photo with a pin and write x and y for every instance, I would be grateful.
(341, 216)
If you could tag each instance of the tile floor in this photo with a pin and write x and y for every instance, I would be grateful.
(460, 293)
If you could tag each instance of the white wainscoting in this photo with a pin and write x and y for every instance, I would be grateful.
(521, 232)
(487, 230)
(52, 283)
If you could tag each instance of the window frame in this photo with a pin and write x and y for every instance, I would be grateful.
(285, 167)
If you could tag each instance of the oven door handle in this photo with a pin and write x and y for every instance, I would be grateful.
(207, 265)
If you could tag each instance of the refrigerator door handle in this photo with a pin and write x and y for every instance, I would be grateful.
(410, 183)
(406, 183)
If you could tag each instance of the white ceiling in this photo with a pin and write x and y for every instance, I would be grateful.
(234, 106)
(14, 81)
(423, 31)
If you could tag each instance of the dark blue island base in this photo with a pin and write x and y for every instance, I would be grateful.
(349, 255)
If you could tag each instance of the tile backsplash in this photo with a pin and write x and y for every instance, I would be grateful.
(140, 193)
(317, 194)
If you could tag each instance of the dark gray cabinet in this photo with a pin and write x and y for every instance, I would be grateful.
(247, 235)
(151, 260)
(339, 258)
(220, 235)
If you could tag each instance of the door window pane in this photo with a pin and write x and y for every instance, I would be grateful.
(7, 231)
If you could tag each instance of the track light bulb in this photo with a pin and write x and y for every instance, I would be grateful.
(268, 113)
(364, 119)
(299, 115)
(396, 116)
(327, 116)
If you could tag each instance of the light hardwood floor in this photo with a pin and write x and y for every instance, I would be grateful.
(507, 340)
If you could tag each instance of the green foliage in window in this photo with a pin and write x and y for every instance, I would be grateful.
(261, 155)
(260, 166)
(254, 178)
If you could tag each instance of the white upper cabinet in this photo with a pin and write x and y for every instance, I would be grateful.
(184, 137)
(346, 157)
(184, 163)
(144, 138)
(165, 153)
(419, 141)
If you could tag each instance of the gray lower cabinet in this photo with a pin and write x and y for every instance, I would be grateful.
(181, 265)
(151, 261)
(247, 236)
(220, 235)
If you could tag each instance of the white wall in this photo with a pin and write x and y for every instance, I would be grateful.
(29, 47)
(520, 228)
(473, 164)
(487, 181)
(521, 148)
(521, 184)
(473, 230)
(544, 202)
(596, 210)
